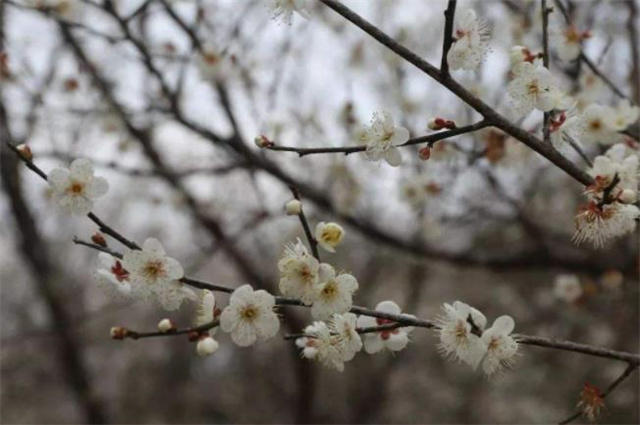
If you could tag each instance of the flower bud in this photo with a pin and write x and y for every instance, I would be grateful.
(261, 141)
(25, 151)
(118, 332)
(193, 336)
(425, 153)
(206, 346)
(628, 196)
(98, 239)
(165, 325)
(438, 123)
(293, 207)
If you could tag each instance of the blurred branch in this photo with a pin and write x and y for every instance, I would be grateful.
(545, 61)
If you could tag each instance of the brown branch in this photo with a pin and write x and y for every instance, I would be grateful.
(430, 139)
(313, 243)
(130, 334)
(449, 17)
(545, 61)
(368, 330)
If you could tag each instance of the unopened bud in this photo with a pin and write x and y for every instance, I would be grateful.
(262, 142)
(425, 153)
(165, 325)
(118, 332)
(628, 196)
(438, 123)
(293, 207)
(206, 346)
(193, 336)
(25, 151)
(98, 239)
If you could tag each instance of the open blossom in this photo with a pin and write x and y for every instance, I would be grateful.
(500, 346)
(249, 316)
(112, 276)
(320, 345)
(623, 115)
(598, 224)
(152, 274)
(75, 189)
(333, 295)
(392, 340)
(567, 287)
(471, 42)
(381, 138)
(284, 9)
(329, 235)
(567, 41)
(533, 86)
(343, 326)
(595, 125)
(460, 333)
(605, 170)
(300, 273)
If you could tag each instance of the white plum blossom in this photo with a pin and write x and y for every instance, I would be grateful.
(152, 274)
(284, 9)
(75, 189)
(595, 125)
(381, 138)
(213, 64)
(333, 295)
(533, 86)
(320, 345)
(343, 326)
(461, 327)
(567, 41)
(391, 340)
(329, 235)
(499, 345)
(610, 166)
(567, 288)
(249, 317)
(300, 273)
(112, 276)
(521, 54)
(206, 311)
(623, 115)
(471, 42)
(598, 224)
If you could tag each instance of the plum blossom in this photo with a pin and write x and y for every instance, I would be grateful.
(320, 345)
(623, 115)
(391, 340)
(567, 41)
(382, 137)
(567, 288)
(595, 125)
(471, 42)
(333, 295)
(249, 317)
(75, 189)
(343, 326)
(329, 235)
(605, 170)
(152, 274)
(533, 87)
(500, 346)
(112, 276)
(598, 224)
(301, 273)
(460, 330)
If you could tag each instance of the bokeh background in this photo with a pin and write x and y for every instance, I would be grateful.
(494, 230)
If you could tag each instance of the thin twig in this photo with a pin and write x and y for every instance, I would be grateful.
(449, 16)
(313, 243)
(545, 61)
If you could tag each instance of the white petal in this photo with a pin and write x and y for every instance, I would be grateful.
(504, 325)
(81, 169)
(58, 179)
(397, 342)
(388, 307)
(373, 344)
(153, 246)
(97, 187)
(393, 156)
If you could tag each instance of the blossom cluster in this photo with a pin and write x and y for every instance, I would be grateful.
(463, 337)
(610, 210)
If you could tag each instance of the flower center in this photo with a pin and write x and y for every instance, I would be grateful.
(76, 188)
(595, 125)
(330, 290)
(533, 88)
(211, 58)
(154, 269)
(249, 313)
(331, 235)
(461, 330)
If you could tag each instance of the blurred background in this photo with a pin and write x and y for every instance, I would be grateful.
(490, 222)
